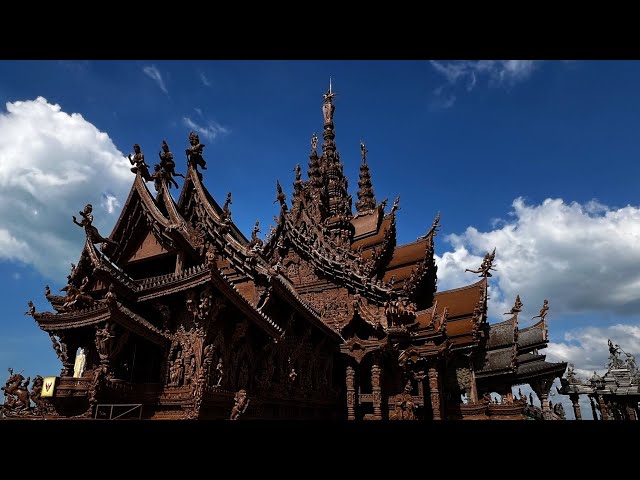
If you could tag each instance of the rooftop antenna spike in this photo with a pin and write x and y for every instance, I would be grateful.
(329, 84)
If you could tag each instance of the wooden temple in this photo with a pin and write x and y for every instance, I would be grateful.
(181, 314)
(613, 396)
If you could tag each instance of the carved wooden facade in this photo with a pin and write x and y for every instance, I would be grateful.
(181, 313)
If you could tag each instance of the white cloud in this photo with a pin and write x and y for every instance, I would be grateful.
(110, 202)
(210, 131)
(582, 258)
(152, 72)
(52, 163)
(498, 72)
(205, 81)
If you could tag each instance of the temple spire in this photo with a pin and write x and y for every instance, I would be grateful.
(339, 202)
(366, 197)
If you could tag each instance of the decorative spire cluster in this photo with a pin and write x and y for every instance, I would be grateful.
(339, 202)
(366, 197)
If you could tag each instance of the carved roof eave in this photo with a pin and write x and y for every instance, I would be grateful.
(480, 312)
(416, 353)
(225, 235)
(49, 321)
(365, 314)
(234, 235)
(101, 312)
(102, 263)
(138, 325)
(540, 369)
(272, 243)
(358, 348)
(379, 209)
(428, 267)
(534, 341)
(437, 327)
(222, 283)
(189, 278)
(286, 289)
(186, 233)
(388, 245)
(333, 269)
(160, 225)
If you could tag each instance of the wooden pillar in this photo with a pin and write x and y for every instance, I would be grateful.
(631, 411)
(575, 399)
(377, 392)
(435, 393)
(544, 401)
(473, 397)
(593, 408)
(351, 394)
(604, 414)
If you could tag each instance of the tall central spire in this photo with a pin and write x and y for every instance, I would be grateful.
(366, 198)
(339, 202)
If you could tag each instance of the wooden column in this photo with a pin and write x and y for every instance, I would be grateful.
(631, 411)
(435, 393)
(351, 394)
(575, 400)
(603, 408)
(544, 401)
(593, 408)
(377, 392)
(473, 397)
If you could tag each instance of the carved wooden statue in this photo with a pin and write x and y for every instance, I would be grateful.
(543, 311)
(405, 407)
(486, 266)
(16, 395)
(168, 164)
(139, 165)
(194, 152)
(90, 230)
(242, 403)
(32, 308)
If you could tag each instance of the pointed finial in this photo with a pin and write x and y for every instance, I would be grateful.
(281, 197)
(329, 84)
(517, 307)
(396, 205)
(363, 151)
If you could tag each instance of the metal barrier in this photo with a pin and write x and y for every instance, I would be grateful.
(131, 407)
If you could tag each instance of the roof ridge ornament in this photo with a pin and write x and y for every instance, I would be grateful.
(91, 231)
(517, 307)
(543, 311)
(486, 266)
(194, 152)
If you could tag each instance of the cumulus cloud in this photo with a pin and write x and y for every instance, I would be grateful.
(565, 252)
(498, 72)
(152, 72)
(52, 163)
(211, 130)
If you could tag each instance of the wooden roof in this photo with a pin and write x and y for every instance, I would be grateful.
(461, 302)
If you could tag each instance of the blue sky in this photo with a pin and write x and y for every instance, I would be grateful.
(539, 159)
